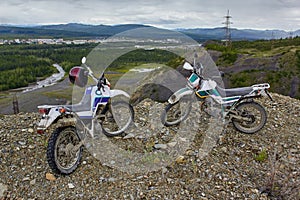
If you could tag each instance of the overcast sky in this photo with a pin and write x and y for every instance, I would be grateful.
(256, 14)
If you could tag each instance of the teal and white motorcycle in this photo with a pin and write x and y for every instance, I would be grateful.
(235, 105)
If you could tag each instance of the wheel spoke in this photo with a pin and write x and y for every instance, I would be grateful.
(66, 158)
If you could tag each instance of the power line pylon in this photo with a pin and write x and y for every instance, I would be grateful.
(227, 29)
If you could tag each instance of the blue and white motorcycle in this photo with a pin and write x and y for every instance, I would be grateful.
(97, 107)
(235, 105)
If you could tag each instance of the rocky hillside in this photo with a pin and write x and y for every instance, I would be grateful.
(264, 165)
(245, 63)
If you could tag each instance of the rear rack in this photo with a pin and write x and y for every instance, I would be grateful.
(261, 86)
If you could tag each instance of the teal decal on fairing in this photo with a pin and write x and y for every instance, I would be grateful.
(193, 78)
(214, 92)
(231, 98)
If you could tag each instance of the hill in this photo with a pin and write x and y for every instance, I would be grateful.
(38, 32)
(72, 30)
(75, 30)
(237, 34)
(102, 30)
(246, 63)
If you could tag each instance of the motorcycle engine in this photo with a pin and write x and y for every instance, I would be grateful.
(212, 108)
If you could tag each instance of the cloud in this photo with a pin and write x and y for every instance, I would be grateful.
(267, 14)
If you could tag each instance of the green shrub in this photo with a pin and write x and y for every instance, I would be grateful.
(261, 156)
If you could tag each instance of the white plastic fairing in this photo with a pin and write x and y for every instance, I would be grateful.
(188, 66)
(114, 93)
(208, 85)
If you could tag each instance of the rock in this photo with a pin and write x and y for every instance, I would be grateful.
(32, 182)
(112, 162)
(169, 180)
(180, 159)
(30, 130)
(164, 170)
(71, 185)
(189, 152)
(22, 143)
(143, 119)
(3, 188)
(111, 179)
(129, 136)
(172, 144)
(26, 179)
(160, 146)
(50, 177)
(224, 149)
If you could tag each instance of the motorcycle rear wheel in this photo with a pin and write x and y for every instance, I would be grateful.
(254, 113)
(62, 157)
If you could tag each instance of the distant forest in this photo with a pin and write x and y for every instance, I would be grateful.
(24, 64)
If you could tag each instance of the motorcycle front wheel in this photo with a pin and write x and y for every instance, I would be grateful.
(116, 118)
(62, 154)
(252, 117)
(175, 113)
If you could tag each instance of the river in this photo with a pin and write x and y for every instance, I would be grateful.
(51, 80)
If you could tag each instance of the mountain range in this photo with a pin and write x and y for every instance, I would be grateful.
(75, 30)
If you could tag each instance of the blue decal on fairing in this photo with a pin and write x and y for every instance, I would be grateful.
(85, 117)
(100, 100)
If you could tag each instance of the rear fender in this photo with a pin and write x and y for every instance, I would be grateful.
(48, 119)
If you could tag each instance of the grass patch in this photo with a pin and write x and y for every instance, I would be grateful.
(261, 156)
(60, 94)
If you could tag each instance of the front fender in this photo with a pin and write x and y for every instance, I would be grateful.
(114, 93)
(179, 94)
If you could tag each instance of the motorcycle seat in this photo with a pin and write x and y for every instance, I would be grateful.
(78, 107)
(234, 91)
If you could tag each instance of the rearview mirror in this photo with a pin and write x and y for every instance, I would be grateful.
(188, 66)
(83, 60)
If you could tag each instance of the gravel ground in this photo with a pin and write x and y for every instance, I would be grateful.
(264, 165)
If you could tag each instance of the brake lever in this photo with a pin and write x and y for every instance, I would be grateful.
(101, 83)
